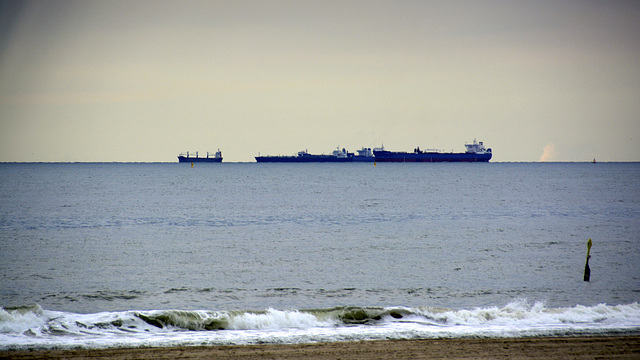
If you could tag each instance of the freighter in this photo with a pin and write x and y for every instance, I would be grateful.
(212, 158)
(476, 152)
(304, 157)
(364, 155)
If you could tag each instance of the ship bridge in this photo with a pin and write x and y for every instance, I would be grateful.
(477, 148)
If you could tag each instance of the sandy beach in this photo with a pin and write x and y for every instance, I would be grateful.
(624, 347)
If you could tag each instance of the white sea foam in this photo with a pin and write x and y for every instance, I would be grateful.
(19, 320)
(37, 328)
(276, 319)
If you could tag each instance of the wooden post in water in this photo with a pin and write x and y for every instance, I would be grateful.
(587, 270)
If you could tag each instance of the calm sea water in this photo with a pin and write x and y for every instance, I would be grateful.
(137, 253)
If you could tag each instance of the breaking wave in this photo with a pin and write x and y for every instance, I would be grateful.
(31, 327)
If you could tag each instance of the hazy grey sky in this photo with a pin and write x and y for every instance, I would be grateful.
(145, 80)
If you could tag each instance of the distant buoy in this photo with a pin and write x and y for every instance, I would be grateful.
(374, 163)
(587, 270)
(191, 164)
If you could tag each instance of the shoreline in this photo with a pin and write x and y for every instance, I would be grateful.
(580, 347)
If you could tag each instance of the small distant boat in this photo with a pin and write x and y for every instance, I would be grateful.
(211, 158)
(594, 160)
(476, 152)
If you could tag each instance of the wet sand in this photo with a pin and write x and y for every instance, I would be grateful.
(623, 347)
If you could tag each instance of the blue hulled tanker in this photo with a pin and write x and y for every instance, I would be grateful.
(476, 152)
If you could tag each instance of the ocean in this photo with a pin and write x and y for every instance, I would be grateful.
(96, 255)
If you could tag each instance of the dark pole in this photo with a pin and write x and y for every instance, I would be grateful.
(587, 270)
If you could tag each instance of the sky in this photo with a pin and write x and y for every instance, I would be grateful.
(142, 81)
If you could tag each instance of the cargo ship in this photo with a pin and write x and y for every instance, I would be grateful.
(476, 152)
(210, 158)
(338, 155)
